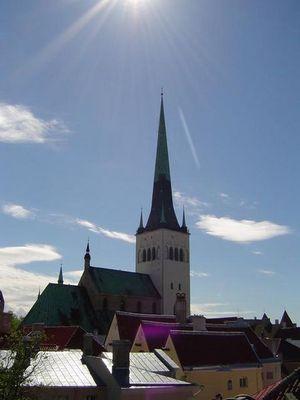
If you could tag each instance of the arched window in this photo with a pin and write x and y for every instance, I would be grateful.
(176, 254)
(172, 286)
(229, 384)
(154, 309)
(105, 303)
(171, 253)
(153, 253)
(149, 255)
(139, 307)
(122, 305)
(179, 286)
(144, 255)
(181, 255)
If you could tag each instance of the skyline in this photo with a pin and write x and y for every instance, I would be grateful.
(78, 138)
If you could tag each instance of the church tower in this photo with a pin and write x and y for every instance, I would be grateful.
(162, 245)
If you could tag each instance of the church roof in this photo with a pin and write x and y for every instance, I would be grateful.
(63, 305)
(113, 281)
(162, 214)
(286, 320)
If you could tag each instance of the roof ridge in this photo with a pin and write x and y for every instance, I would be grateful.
(208, 333)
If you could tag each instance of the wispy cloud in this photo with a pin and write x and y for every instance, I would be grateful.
(257, 252)
(217, 310)
(189, 137)
(17, 211)
(108, 233)
(224, 195)
(20, 287)
(242, 231)
(266, 272)
(196, 274)
(19, 125)
(193, 205)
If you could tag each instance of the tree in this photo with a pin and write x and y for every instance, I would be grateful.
(17, 364)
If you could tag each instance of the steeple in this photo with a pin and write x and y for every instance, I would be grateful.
(60, 277)
(141, 226)
(87, 256)
(183, 225)
(162, 202)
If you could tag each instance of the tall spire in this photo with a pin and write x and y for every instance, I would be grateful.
(162, 202)
(183, 226)
(87, 256)
(60, 277)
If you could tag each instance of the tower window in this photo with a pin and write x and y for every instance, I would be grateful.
(139, 307)
(148, 255)
(153, 253)
(172, 286)
(181, 255)
(176, 254)
(144, 255)
(171, 253)
(179, 286)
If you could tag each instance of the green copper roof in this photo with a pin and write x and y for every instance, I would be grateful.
(112, 281)
(162, 167)
(64, 305)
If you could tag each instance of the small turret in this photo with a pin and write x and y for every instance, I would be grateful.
(183, 225)
(60, 277)
(141, 226)
(87, 256)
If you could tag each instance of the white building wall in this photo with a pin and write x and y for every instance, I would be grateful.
(169, 276)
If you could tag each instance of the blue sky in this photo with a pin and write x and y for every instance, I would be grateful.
(79, 102)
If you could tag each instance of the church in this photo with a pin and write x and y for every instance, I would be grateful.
(162, 267)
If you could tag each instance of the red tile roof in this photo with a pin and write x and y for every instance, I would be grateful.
(156, 333)
(278, 390)
(260, 348)
(128, 323)
(199, 349)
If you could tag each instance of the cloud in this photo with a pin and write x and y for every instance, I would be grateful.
(17, 211)
(193, 205)
(224, 195)
(195, 274)
(99, 230)
(257, 252)
(211, 310)
(242, 231)
(19, 125)
(20, 287)
(189, 137)
(266, 272)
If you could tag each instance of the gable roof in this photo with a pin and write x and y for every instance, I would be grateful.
(156, 332)
(286, 320)
(117, 282)
(63, 305)
(260, 348)
(203, 349)
(128, 323)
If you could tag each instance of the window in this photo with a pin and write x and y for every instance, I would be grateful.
(91, 397)
(229, 384)
(139, 307)
(176, 254)
(172, 286)
(153, 253)
(171, 253)
(122, 305)
(270, 375)
(148, 255)
(181, 256)
(154, 310)
(144, 255)
(179, 286)
(105, 304)
(244, 382)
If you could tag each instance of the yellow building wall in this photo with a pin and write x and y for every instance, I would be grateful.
(215, 381)
(271, 373)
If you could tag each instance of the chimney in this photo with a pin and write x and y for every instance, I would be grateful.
(88, 340)
(180, 308)
(198, 322)
(120, 369)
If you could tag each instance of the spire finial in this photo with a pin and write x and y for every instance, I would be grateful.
(60, 277)
(88, 246)
(161, 92)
